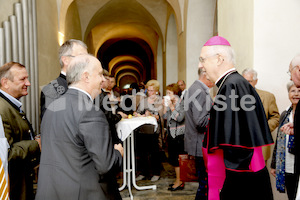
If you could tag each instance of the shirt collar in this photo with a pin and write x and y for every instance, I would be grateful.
(230, 70)
(205, 86)
(64, 73)
(12, 99)
(75, 88)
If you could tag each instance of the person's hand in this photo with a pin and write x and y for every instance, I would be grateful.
(148, 113)
(288, 128)
(137, 114)
(119, 147)
(38, 139)
(172, 107)
(123, 115)
(273, 172)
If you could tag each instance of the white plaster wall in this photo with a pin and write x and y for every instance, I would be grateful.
(159, 64)
(267, 44)
(235, 23)
(276, 42)
(171, 52)
(200, 20)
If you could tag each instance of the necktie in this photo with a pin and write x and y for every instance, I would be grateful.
(3, 183)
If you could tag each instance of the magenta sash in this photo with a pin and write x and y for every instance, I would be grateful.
(257, 162)
(215, 171)
(215, 166)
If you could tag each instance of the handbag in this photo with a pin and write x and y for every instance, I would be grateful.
(187, 168)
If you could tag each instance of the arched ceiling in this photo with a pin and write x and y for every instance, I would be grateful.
(124, 34)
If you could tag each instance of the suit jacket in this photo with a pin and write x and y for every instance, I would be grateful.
(52, 91)
(269, 103)
(22, 151)
(197, 105)
(77, 151)
(297, 140)
(175, 119)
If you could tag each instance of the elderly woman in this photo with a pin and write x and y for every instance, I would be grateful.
(174, 114)
(282, 166)
(148, 139)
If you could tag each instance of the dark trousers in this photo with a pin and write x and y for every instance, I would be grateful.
(147, 150)
(290, 184)
(202, 179)
(247, 186)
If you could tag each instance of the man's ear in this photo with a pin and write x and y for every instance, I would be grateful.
(220, 59)
(4, 82)
(255, 82)
(86, 76)
(65, 60)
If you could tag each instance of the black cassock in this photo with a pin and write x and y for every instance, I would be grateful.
(238, 124)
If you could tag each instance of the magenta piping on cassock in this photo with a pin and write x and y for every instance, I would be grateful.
(238, 146)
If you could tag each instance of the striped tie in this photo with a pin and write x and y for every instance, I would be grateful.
(3, 183)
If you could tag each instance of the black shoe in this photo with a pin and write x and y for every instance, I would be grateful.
(170, 186)
(180, 187)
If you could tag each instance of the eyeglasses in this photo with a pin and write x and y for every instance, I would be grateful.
(202, 60)
(290, 70)
(70, 56)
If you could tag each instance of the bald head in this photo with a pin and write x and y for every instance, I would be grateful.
(85, 72)
(181, 85)
(294, 70)
(216, 60)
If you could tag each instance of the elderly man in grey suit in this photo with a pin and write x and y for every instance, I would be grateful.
(197, 105)
(77, 149)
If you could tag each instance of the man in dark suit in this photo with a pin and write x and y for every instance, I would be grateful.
(197, 105)
(19, 133)
(182, 87)
(59, 86)
(102, 101)
(77, 149)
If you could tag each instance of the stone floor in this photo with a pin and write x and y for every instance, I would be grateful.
(188, 193)
(162, 192)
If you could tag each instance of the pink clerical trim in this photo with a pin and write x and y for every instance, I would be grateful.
(257, 161)
(237, 146)
(216, 169)
(216, 172)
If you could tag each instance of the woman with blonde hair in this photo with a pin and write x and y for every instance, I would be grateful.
(148, 139)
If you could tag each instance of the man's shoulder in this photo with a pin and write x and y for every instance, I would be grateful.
(236, 81)
(4, 102)
(73, 100)
(264, 93)
(196, 85)
(236, 78)
(55, 88)
(5, 107)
